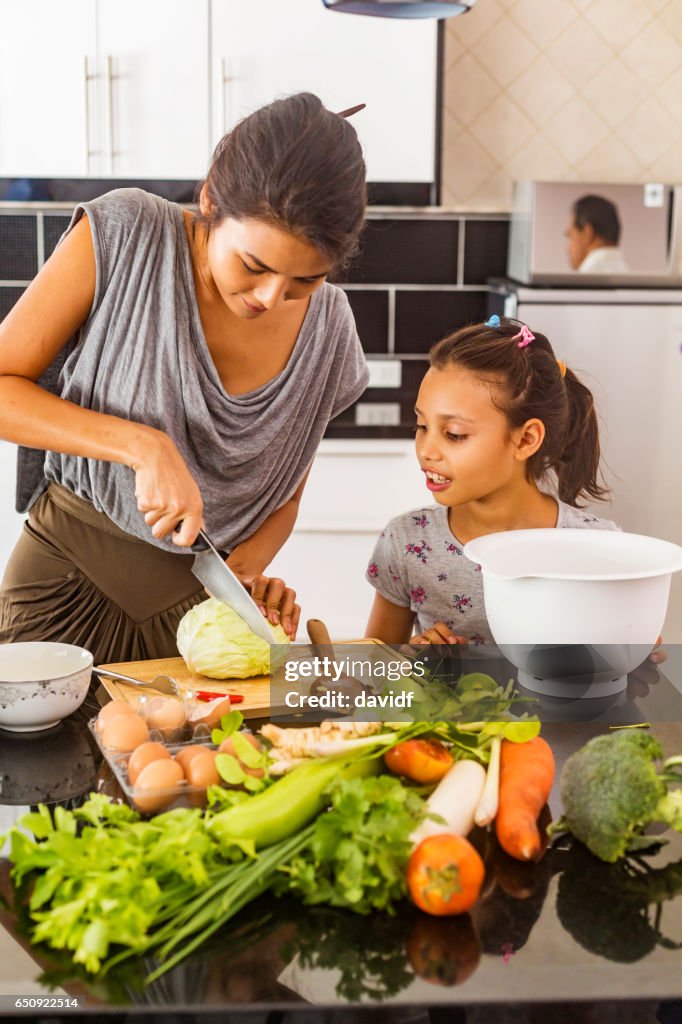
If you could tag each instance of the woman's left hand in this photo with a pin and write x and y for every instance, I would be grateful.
(275, 599)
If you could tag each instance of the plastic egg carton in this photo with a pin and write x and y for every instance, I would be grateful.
(181, 795)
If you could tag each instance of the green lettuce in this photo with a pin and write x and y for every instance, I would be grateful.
(216, 642)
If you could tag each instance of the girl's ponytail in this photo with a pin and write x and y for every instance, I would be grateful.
(577, 466)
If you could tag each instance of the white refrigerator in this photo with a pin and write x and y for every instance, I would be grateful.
(626, 345)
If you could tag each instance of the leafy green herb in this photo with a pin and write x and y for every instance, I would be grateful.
(357, 855)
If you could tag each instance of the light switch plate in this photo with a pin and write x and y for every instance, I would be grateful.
(377, 414)
(385, 373)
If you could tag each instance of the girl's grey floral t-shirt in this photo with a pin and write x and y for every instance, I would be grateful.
(417, 563)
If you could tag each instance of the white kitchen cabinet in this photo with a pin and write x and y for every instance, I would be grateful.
(263, 49)
(44, 96)
(153, 55)
(354, 488)
(104, 88)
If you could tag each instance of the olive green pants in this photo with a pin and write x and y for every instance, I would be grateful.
(75, 577)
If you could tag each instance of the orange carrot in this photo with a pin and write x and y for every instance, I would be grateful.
(526, 776)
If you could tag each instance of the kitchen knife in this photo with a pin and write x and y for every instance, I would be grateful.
(211, 569)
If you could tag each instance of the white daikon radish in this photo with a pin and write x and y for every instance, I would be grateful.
(487, 807)
(454, 799)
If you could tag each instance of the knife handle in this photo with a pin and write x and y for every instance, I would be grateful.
(318, 633)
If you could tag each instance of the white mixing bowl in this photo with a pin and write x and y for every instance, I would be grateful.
(41, 683)
(601, 593)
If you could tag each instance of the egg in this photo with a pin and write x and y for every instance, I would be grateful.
(157, 785)
(227, 747)
(212, 714)
(186, 754)
(201, 770)
(111, 710)
(144, 755)
(165, 714)
(125, 732)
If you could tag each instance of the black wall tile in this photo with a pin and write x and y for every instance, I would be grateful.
(485, 250)
(370, 310)
(18, 247)
(8, 296)
(53, 229)
(407, 252)
(424, 317)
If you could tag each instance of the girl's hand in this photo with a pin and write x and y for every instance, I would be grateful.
(438, 634)
(165, 490)
(276, 601)
(657, 656)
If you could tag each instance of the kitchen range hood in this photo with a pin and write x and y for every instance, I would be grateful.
(401, 8)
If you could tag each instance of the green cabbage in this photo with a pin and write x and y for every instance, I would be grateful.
(216, 642)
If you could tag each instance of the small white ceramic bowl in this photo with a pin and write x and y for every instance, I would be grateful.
(41, 683)
(575, 608)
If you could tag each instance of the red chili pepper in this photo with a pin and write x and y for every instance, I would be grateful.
(235, 698)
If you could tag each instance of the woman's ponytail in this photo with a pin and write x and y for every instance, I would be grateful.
(577, 466)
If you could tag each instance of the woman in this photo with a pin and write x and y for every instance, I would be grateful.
(203, 356)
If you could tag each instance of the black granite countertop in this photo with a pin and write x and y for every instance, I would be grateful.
(568, 930)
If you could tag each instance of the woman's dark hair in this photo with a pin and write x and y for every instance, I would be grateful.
(527, 383)
(297, 166)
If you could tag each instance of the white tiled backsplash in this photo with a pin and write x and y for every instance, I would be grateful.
(560, 90)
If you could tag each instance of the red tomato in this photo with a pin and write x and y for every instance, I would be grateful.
(445, 875)
(420, 760)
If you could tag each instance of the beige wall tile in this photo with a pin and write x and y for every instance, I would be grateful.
(504, 50)
(540, 90)
(467, 28)
(579, 52)
(611, 160)
(542, 20)
(614, 92)
(653, 54)
(671, 19)
(649, 131)
(618, 21)
(539, 159)
(575, 130)
(563, 90)
(469, 89)
(502, 129)
(669, 93)
(666, 167)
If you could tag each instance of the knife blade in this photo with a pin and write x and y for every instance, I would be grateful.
(210, 569)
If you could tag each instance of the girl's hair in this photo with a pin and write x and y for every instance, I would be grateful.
(527, 384)
(298, 166)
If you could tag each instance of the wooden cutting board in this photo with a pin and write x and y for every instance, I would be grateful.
(256, 691)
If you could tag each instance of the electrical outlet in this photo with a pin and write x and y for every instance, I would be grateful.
(377, 414)
(385, 373)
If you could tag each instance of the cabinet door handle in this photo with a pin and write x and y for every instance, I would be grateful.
(224, 79)
(109, 110)
(86, 108)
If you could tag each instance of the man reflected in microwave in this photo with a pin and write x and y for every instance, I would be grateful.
(594, 235)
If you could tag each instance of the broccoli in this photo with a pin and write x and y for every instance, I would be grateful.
(611, 790)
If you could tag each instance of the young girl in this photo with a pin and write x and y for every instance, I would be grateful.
(496, 412)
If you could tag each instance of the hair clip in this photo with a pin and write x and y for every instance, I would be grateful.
(351, 110)
(493, 321)
(562, 367)
(526, 336)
